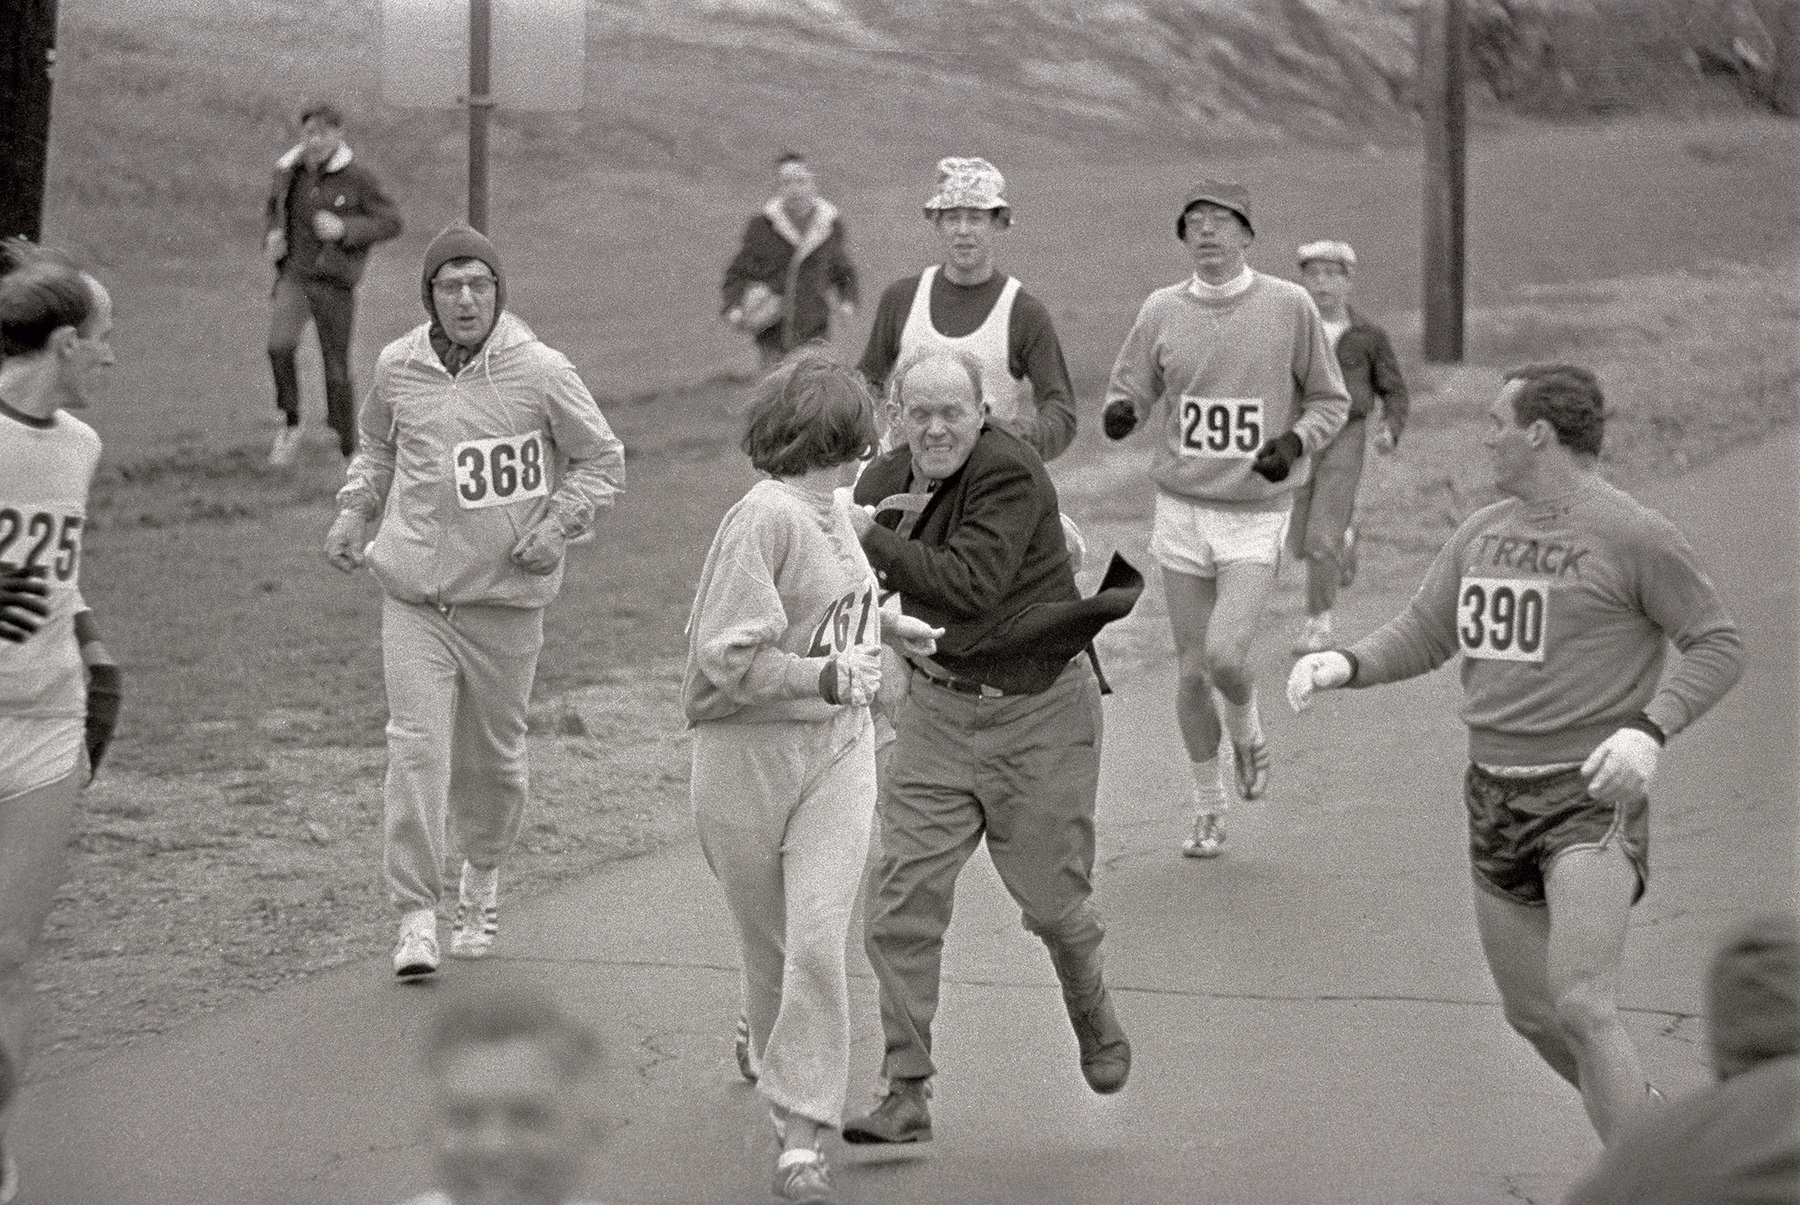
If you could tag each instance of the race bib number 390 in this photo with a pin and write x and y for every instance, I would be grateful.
(1221, 426)
(1503, 619)
(495, 472)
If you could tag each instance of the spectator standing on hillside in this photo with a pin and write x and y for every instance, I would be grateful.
(966, 303)
(1738, 1141)
(793, 270)
(483, 455)
(1562, 599)
(512, 1115)
(783, 660)
(1242, 366)
(323, 213)
(1321, 532)
(59, 688)
(999, 735)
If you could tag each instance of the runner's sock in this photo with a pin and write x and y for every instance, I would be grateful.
(1241, 720)
(1209, 787)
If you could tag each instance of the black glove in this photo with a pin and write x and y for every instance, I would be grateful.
(1119, 419)
(24, 602)
(1278, 456)
(103, 695)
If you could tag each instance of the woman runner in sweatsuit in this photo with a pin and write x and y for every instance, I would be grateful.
(783, 659)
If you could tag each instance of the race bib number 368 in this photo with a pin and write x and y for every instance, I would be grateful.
(495, 472)
(1503, 619)
(1221, 426)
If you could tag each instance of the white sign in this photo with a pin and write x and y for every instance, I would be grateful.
(537, 51)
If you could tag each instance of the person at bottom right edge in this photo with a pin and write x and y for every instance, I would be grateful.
(1562, 598)
(1321, 530)
(1736, 1142)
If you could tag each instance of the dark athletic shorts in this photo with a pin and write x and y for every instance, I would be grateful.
(1518, 827)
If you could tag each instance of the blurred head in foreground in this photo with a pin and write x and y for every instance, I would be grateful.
(1753, 995)
(510, 1073)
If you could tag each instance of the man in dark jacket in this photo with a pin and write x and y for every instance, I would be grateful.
(1320, 530)
(794, 268)
(1000, 733)
(323, 214)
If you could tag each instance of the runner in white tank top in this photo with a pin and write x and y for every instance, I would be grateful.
(1004, 394)
(967, 303)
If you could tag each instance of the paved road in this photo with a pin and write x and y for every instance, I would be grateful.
(1311, 1016)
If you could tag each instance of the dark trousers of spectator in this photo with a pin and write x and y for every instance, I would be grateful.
(1021, 773)
(332, 309)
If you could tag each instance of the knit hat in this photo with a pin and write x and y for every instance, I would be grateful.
(1226, 193)
(1327, 249)
(969, 184)
(1754, 994)
(459, 240)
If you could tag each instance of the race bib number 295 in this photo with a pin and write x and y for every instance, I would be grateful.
(495, 472)
(1221, 426)
(1503, 619)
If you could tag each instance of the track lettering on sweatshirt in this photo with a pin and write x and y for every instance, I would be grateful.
(499, 471)
(1226, 427)
(1503, 618)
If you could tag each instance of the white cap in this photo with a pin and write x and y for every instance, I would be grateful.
(1331, 249)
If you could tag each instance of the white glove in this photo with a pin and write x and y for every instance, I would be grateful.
(909, 633)
(1072, 539)
(852, 677)
(1313, 673)
(1620, 770)
(275, 246)
(328, 226)
(344, 542)
(541, 550)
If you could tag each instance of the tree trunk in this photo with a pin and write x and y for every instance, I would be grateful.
(27, 52)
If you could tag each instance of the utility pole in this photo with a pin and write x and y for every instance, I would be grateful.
(481, 103)
(1443, 54)
(27, 51)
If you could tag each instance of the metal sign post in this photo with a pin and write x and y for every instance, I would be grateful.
(1442, 57)
(523, 54)
(481, 104)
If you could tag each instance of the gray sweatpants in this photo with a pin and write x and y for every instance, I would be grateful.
(458, 685)
(784, 812)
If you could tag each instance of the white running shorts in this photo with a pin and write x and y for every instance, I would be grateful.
(1194, 538)
(35, 751)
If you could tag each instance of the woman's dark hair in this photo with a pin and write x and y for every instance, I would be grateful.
(40, 291)
(811, 412)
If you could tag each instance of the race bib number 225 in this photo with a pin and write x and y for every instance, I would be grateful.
(1502, 619)
(495, 472)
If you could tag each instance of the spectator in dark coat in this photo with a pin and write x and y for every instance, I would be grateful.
(323, 214)
(794, 268)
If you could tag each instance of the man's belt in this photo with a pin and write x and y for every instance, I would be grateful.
(960, 685)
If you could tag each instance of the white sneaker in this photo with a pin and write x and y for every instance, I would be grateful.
(1208, 840)
(287, 446)
(1316, 636)
(477, 921)
(417, 951)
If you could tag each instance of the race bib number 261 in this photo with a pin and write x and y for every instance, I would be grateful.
(1502, 619)
(495, 472)
(1221, 426)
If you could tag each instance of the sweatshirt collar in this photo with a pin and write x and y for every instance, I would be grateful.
(1234, 287)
